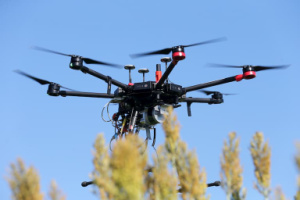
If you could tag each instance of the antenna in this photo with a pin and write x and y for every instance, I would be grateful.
(130, 67)
(166, 60)
(143, 71)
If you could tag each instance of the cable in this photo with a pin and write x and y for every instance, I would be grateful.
(106, 106)
(154, 140)
(112, 138)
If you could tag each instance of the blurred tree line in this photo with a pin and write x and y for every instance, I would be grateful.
(125, 173)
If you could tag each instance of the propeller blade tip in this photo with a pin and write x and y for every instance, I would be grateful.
(18, 71)
(133, 56)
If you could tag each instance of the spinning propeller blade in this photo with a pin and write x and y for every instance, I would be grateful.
(207, 92)
(40, 81)
(207, 42)
(86, 60)
(256, 68)
(50, 51)
(168, 50)
(162, 51)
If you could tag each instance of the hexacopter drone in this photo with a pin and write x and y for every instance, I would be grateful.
(142, 105)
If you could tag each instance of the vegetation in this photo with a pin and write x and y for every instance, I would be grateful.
(261, 156)
(231, 169)
(24, 183)
(117, 178)
(125, 173)
(55, 193)
(297, 159)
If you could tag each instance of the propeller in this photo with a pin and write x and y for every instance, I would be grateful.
(86, 60)
(207, 92)
(255, 68)
(40, 81)
(168, 50)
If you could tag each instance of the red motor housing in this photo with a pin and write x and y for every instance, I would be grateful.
(178, 53)
(178, 56)
(249, 72)
(249, 75)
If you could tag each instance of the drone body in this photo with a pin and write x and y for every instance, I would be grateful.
(143, 105)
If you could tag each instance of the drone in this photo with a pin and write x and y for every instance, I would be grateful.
(142, 105)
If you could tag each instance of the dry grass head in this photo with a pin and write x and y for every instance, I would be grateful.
(128, 164)
(192, 180)
(102, 173)
(278, 194)
(24, 182)
(297, 160)
(121, 175)
(261, 156)
(55, 193)
(171, 128)
(164, 180)
(297, 157)
(231, 169)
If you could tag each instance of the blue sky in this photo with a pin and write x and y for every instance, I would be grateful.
(56, 134)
